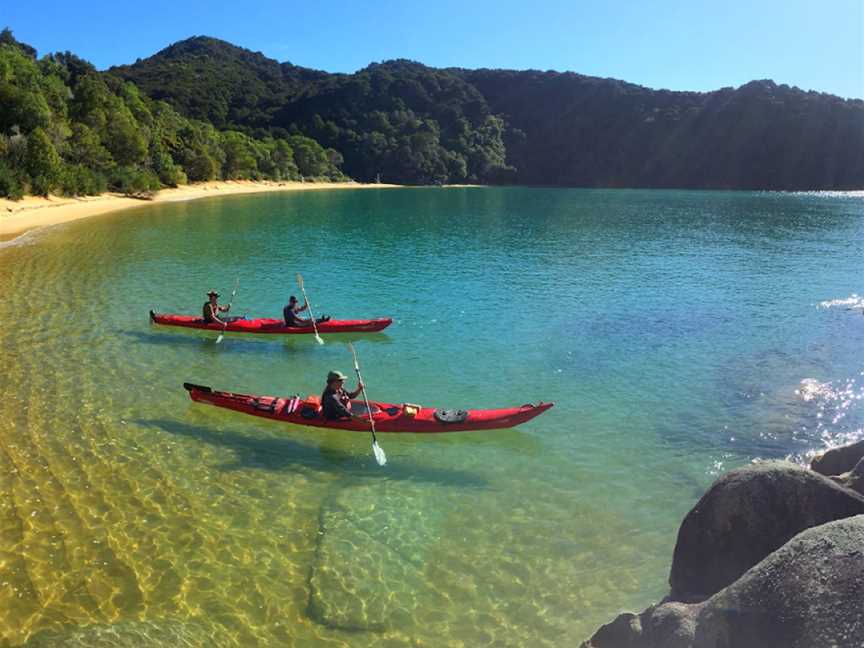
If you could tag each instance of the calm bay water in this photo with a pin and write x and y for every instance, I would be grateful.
(672, 329)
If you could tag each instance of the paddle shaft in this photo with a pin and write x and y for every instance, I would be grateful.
(308, 305)
(365, 398)
(225, 323)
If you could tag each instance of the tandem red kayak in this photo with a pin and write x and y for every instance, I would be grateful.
(271, 326)
(388, 417)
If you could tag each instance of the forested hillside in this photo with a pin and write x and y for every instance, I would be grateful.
(67, 128)
(204, 109)
(415, 124)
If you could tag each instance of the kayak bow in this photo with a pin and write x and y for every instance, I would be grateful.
(272, 326)
(388, 417)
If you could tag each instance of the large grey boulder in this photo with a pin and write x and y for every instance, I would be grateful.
(808, 593)
(744, 516)
(837, 461)
(854, 479)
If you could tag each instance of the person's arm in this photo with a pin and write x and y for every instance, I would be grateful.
(225, 309)
(303, 307)
(356, 391)
(214, 314)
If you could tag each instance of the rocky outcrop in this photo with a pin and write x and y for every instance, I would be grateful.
(837, 461)
(808, 593)
(854, 479)
(744, 516)
(772, 556)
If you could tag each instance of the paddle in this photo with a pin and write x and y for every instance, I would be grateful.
(309, 306)
(225, 323)
(380, 457)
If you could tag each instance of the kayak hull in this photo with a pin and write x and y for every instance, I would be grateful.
(388, 417)
(271, 326)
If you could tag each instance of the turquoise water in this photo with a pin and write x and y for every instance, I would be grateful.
(680, 334)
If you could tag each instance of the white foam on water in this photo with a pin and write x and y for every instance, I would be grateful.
(834, 401)
(811, 389)
(857, 194)
(852, 301)
(27, 238)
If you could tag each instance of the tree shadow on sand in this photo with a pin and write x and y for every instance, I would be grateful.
(280, 454)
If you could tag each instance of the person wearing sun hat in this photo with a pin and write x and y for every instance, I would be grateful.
(335, 401)
(212, 308)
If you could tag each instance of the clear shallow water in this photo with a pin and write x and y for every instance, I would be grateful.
(672, 329)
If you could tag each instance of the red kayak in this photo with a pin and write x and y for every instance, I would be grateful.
(271, 326)
(388, 417)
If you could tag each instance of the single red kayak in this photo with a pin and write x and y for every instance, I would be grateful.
(388, 417)
(271, 326)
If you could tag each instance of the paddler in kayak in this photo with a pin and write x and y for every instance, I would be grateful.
(212, 309)
(335, 401)
(289, 314)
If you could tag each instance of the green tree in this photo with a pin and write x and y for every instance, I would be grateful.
(240, 158)
(84, 147)
(131, 181)
(311, 159)
(126, 141)
(11, 185)
(42, 162)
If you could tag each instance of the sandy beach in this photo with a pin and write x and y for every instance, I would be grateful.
(20, 216)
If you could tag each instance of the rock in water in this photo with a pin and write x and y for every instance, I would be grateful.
(744, 516)
(837, 461)
(166, 633)
(808, 593)
(853, 479)
(371, 557)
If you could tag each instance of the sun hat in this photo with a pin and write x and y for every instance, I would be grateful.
(212, 292)
(335, 375)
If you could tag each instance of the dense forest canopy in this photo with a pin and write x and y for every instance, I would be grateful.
(67, 128)
(415, 124)
(203, 108)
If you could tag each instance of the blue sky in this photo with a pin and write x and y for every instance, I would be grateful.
(673, 44)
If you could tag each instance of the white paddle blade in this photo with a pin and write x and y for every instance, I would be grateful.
(318, 339)
(300, 280)
(219, 339)
(380, 457)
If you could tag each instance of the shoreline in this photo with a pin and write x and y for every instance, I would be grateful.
(17, 217)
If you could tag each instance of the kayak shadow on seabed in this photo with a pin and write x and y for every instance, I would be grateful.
(281, 454)
(246, 343)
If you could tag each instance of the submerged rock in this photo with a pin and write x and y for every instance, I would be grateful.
(370, 566)
(166, 633)
(746, 515)
(837, 461)
(808, 593)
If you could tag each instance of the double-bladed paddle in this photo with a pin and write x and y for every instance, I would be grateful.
(380, 457)
(309, 306)
(225, 323)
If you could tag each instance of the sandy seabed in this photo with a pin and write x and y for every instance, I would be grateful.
(20, 216)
